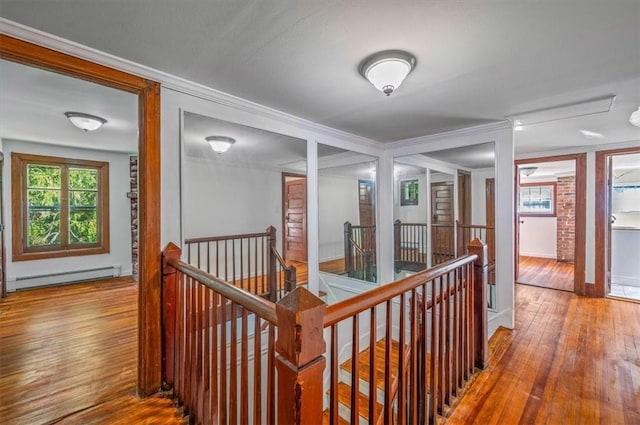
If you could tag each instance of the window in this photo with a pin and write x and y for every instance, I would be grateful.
(60, 207)
(537, 199)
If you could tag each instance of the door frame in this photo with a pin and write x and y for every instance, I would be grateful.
(285, 175)
(148, 92)
(603, 241)
(579, 286)
(3, 261)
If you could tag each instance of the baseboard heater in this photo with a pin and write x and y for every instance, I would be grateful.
(67, 277)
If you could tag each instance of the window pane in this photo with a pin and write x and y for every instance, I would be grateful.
(83, 178)
(83, 226)
(79, 199)
(43, 198)
(43, 176)
(44, 227)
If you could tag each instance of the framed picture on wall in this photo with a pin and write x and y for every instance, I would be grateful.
(409, 192)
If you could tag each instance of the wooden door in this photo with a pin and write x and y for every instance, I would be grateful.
(3, 280)
(609, 214)
(490, 213)
(366, 196)
(294, 212)
(464, 197)
(442, 247)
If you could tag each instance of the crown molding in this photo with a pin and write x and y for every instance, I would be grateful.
(173, 82)
(463, 132)
(579, 149)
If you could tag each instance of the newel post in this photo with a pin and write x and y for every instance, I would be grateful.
(348, 256)
(300, 358)
(171, 252)
(396, 240)
(481, 276)
(273, 285)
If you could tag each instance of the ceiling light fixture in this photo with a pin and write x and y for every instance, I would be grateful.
(527, 171)
(569, 110)
(84, 121)
(220, 144)
(634, 119)
(387, 70)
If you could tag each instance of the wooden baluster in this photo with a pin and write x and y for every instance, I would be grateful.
(171, 252)
(413, 378)
(481, 270)
(434, 355)
(447, 338)
(300, 361)
(333, 390)
(271, 380)
(244, 369)
(207, 355)
(180, 306)
(223, 393)
(373, 392)
(233, 364)
(402, 370)
(257, 371)
(397, 241)
(355, 371)
(388, 394)
(272, 264)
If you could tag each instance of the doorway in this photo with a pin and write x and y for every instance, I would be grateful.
(618, 223)
(550, 217)
(294, 217)
(148, 93)
(442, 231)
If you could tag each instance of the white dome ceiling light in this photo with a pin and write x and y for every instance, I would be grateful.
(634, 119)
(387, 70)
(220, 144)
(84, 121)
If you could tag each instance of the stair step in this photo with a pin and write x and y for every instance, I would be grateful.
(326, 421)
(344, 398)
(380, 351)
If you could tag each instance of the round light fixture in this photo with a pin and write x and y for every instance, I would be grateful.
(220, 144)
(634, 119)
(527, 171)
(387, 70)
(84, 121)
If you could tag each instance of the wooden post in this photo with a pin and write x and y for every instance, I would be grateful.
(396, 240)
(299, 361)
(171, 252)
(273, 285)
(348, 254)
(291, 279)
(480, 279)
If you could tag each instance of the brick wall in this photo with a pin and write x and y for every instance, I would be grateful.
(133, 195)
(566, 213)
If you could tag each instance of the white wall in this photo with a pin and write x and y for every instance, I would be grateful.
(412, 213)
(119, 216)
(222, 200)
(478, 195)
(337, 203)
(538, 237)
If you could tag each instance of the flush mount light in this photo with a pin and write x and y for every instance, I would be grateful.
(84, 121)
(634, 119)
(220, 144)
(387, 70)
(527, 171)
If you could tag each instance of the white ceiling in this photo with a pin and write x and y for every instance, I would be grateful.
(478, 62)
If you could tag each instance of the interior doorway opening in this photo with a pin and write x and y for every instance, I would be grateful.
(618, 223)
(549, 216)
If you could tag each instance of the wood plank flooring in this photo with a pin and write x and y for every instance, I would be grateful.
(570, 360)
(546, 272)
(68, 355)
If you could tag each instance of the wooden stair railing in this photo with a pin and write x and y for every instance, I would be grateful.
(216, 365)
(360, 251)
(440, 338)
(249, 261)
(468, 232)
(410, 246)
(213, 349)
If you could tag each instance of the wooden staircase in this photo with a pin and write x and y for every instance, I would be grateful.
(363, 364)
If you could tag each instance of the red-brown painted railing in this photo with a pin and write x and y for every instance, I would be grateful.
(410, 243)
(222, 347)
(215, 335)
(468, 232)
(250, 261)
(360, 251)
(441, 337)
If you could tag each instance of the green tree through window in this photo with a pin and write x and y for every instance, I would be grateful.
(63, 206)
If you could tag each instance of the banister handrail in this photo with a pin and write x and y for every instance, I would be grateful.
(228, 237)
(367, 300)
(474, 226)
(258, 305)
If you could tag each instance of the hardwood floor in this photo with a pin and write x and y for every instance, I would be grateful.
(68, 355)
(570, 360)
(546, 272)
